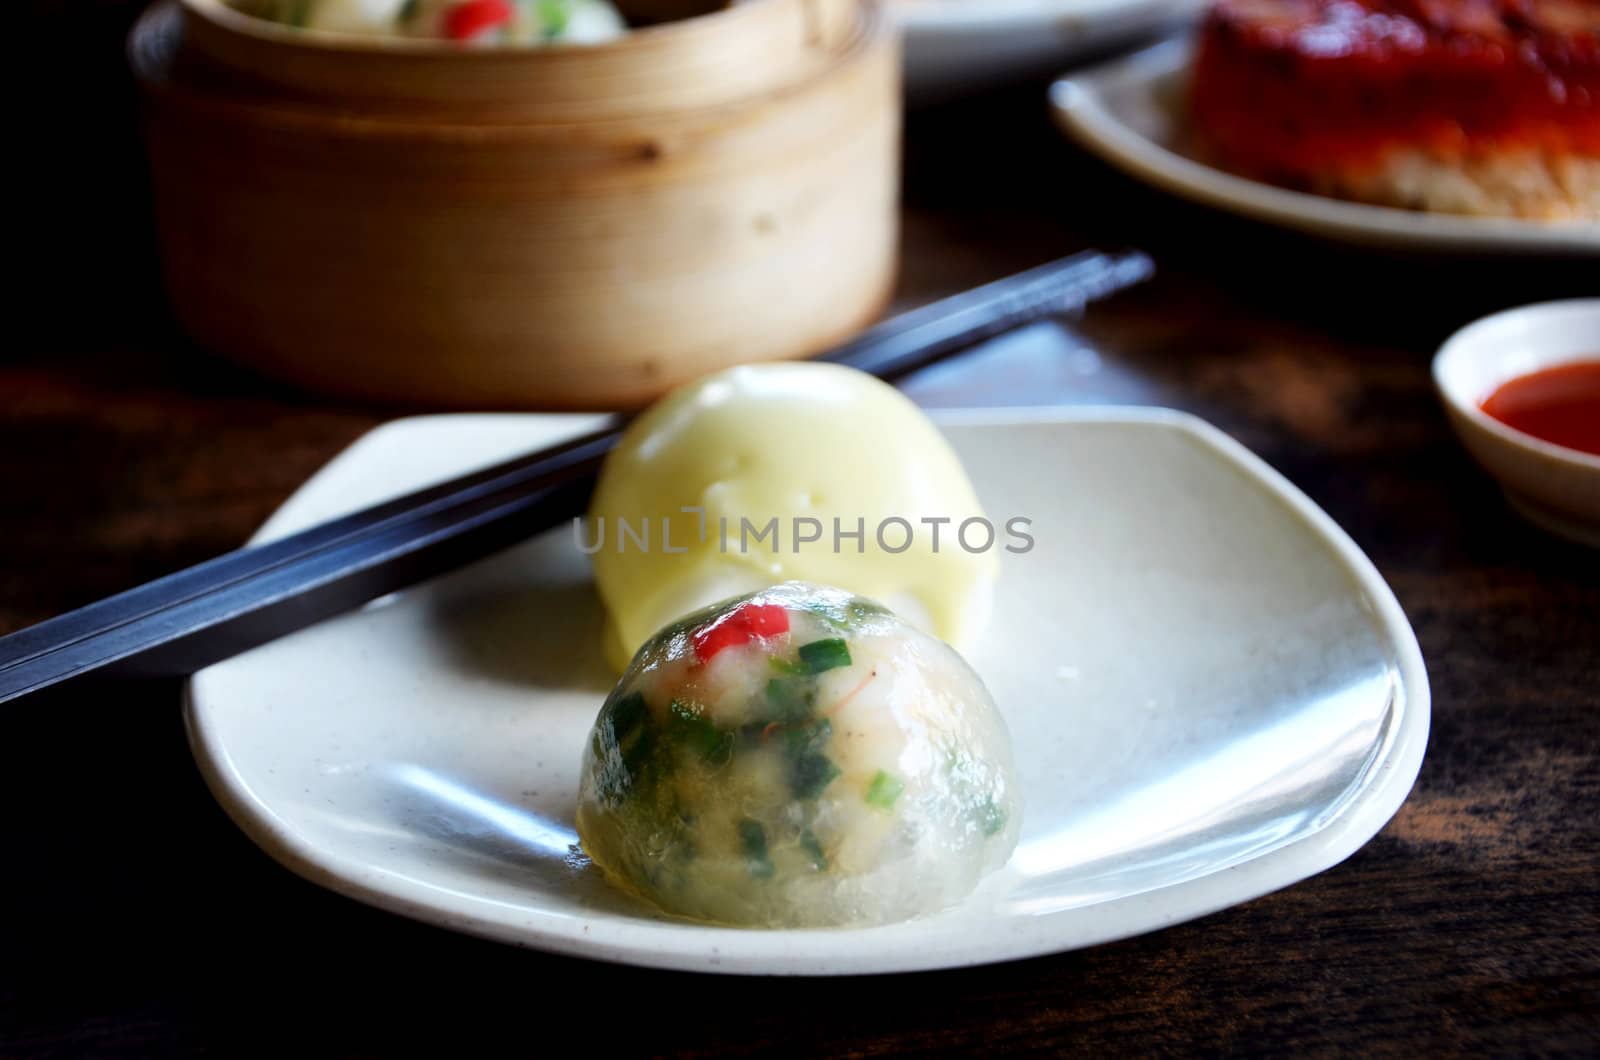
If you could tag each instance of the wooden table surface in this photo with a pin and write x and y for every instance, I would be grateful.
(138, 920)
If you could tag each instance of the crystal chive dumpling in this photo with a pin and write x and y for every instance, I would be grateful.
(798, 757)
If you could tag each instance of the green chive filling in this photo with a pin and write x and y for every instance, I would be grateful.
(790, 700)
(991, 818)
(860, 610)
(688, 727)
(823, 655)
(753, 841)
(846, 617)
(807, 738)
(813, 849)
(810, 774)
(632, 733)
(884, 789)
(810, 771)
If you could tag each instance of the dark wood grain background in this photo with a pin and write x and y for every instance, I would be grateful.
(136, 920)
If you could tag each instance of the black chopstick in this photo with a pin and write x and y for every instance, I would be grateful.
(209, 612)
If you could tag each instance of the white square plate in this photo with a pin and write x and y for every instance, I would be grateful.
(1212, 694)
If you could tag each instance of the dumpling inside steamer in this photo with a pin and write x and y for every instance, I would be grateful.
(523, 22)
(798, 757)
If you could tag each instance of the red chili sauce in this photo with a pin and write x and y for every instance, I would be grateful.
(1560, 405)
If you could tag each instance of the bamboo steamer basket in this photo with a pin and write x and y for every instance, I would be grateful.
(575, 227)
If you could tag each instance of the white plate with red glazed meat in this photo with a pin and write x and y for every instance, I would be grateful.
(1464, 126)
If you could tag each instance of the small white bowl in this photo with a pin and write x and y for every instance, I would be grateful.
(1554, 486)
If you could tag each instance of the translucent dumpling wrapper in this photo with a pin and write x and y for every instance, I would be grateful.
(798, 757)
